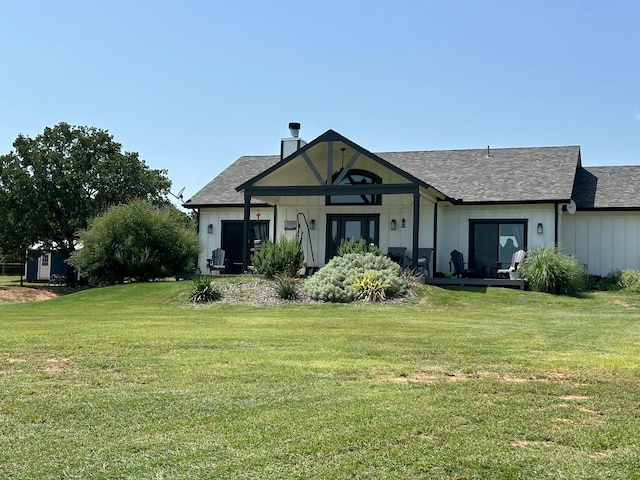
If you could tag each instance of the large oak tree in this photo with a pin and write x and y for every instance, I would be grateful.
(52, 185)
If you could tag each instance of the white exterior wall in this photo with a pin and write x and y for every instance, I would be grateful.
(603, 241)
(453, 226)
(214, 217)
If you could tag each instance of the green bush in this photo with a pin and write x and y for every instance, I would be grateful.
(605, 284)
(284, 257)
(547, 270)
(286, 287)
(335, 282)
(370, 287)
(204, 290)
(361, 246)
(413, 277)
(137, 241)
(630, 280)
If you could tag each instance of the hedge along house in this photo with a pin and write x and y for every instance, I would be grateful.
(483, 202)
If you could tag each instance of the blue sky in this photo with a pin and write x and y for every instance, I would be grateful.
(191, 85)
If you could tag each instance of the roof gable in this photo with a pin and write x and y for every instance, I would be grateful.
(321, 158)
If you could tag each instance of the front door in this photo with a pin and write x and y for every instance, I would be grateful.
(492, 243)
(350, 227)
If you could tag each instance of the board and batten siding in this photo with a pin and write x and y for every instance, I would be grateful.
(603, 241)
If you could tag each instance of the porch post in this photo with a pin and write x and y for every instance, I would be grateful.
(245, 232)
(416, 226)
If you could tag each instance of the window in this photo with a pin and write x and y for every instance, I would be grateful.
(45, 260)
(356, 177)
(494, 242)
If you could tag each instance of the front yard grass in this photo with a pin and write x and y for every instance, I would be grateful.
(131, 382)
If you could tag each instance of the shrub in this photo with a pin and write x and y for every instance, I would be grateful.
(547, 270)
(284, 257)
(370, 287)
(286, 287)
(361, 246)
(204, 290)
(137, 241)
(630, 280)
(605, 284)
(413, 277)
(335, 282)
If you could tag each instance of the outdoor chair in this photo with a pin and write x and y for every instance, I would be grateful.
(398, 255)
(217, 263)
(516, 259)
(457, 262)
(424, 260)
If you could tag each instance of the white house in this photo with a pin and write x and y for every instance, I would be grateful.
(476, 201)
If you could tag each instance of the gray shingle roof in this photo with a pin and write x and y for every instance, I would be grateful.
(222, 189)
(607, 187)
(506, 175)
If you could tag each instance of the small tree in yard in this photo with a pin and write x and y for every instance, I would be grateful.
(137, 241)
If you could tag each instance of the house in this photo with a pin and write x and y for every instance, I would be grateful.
(479, 202)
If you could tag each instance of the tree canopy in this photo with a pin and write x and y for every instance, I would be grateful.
(137, 241)
(52, 185)
(18, 211)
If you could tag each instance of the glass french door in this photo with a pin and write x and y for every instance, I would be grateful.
(493, 243)
(350, 227)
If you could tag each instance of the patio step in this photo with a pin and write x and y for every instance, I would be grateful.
(475, 282)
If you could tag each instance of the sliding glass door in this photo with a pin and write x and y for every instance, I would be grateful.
(493, 242)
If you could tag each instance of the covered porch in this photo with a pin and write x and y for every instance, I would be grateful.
(338, 186)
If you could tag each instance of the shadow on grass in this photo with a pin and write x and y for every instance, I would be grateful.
(465, 289)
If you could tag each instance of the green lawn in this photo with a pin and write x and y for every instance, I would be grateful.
(131, 382)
